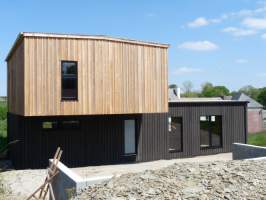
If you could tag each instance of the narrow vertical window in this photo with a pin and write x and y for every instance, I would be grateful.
(129, 137)
(69, 80)
(175, 128)
(210, 131)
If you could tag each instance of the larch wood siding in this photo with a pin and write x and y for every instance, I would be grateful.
(15, 80)
(114, 77)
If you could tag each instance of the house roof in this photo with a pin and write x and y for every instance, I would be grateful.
(79, 36)
(243, 97)
(172, 98)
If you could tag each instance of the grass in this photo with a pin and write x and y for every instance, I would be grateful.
(3, 125)
(258, 139)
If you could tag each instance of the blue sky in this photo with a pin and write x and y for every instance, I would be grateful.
(221, 41)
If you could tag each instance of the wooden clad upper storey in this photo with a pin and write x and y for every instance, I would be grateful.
(114, 76)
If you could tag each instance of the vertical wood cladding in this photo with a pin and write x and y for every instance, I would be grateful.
(234, 127)
(114, 76)
(100, 139)
(15, 81)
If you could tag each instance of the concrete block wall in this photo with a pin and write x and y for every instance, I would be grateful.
(67, 183)
(246, 151)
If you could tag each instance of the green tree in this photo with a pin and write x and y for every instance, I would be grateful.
(3, 111)
(187, 87)
(250, 91)
(221, 91)
(208, 90)
(262, 96)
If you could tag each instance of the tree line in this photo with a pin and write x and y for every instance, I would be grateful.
(210, 90)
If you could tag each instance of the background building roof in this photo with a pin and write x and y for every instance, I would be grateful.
(243, 97)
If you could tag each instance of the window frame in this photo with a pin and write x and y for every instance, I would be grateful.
(135, 137)
(211, 146)
(181, 136)
(59, 125)
(71, 98)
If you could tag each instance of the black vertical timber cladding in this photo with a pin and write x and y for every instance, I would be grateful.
(233, 125)
(152, 141)
(100, 139)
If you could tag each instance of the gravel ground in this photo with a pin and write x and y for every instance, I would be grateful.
(18, 184)
(209, 180)
(117, 170)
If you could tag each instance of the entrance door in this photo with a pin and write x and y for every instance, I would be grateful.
(175, 134)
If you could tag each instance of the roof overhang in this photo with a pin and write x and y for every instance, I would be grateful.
(78, 36)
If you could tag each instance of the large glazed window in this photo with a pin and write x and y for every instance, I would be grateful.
(129, 137)
(175, 130)
(69, 80)
(210, 131)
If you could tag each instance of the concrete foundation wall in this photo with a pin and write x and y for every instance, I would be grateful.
(67, 183)
(246, 151)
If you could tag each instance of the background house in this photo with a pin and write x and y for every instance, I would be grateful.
(255, 113)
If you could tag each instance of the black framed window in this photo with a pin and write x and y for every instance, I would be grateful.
(49, 125)
(129, 137)
(69, 73)
(61, 125)
(210, 131)
(175, 129)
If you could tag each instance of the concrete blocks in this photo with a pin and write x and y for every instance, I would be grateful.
(247, 151)
(67, 183)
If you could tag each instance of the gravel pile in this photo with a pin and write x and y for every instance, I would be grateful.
(212, 180)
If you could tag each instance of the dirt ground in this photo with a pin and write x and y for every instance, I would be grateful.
(18, 184)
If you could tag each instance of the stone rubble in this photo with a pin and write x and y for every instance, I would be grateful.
(210, 180)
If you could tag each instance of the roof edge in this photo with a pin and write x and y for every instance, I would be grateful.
(14, 46)
(208, 101)
(80, 36)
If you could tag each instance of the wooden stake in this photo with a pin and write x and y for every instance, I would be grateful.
(52, 171)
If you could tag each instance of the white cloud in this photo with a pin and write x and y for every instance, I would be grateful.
(255, 23)
(241, 61)
(263, 36)
(239, 31)
(186, 70)
(201, 21)
(199, 45)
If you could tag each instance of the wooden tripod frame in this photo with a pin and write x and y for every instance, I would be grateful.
(41, 192)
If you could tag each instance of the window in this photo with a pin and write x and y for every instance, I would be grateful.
(70, 125)
(60, 125)
(175, 128)
(69, 80)
(129, 137)
(49, 125)
(210, 131)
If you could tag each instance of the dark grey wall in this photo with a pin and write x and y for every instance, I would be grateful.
(100, 138)
(233, 125)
